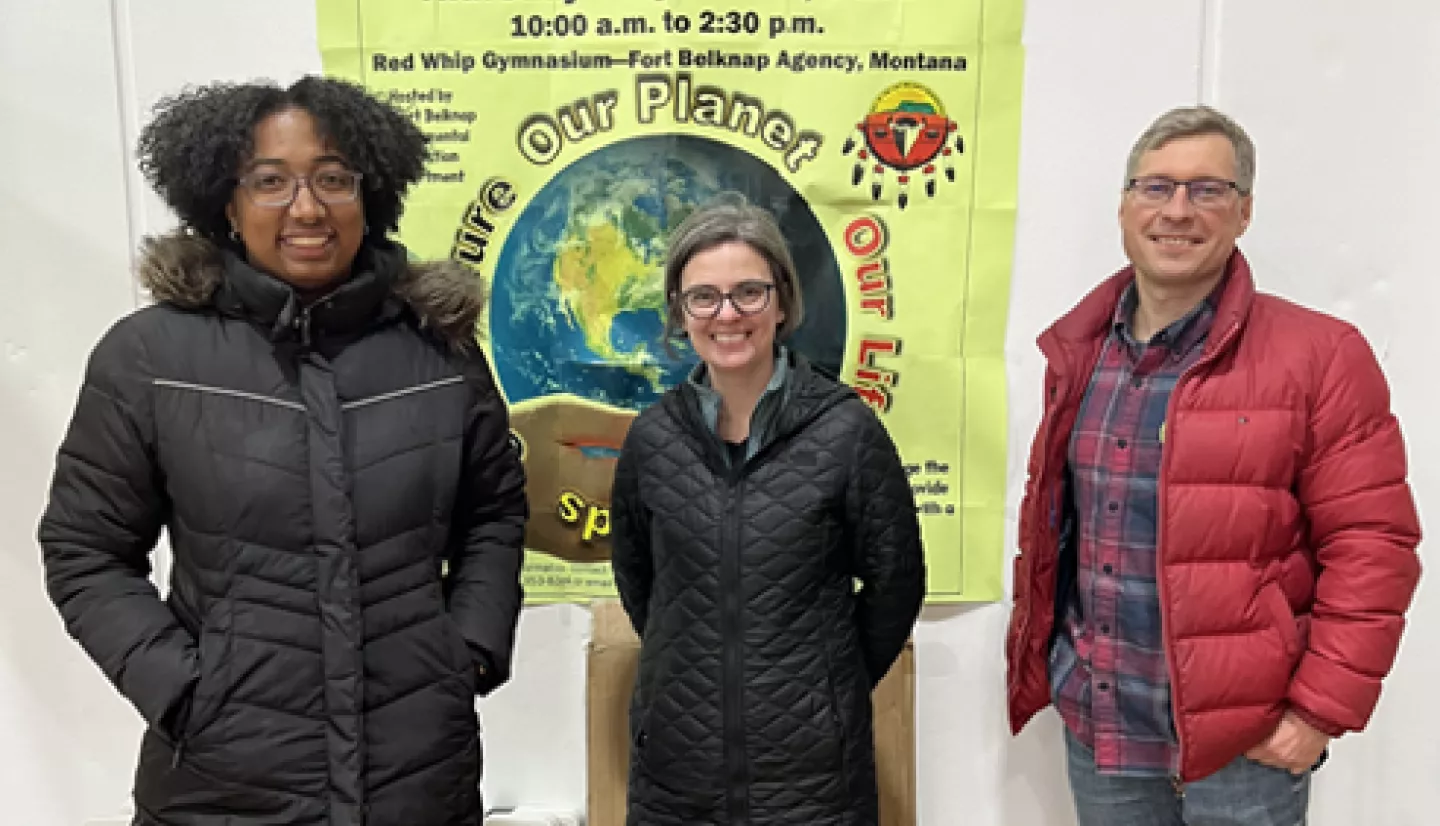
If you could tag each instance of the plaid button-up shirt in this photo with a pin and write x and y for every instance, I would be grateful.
(1108, 671)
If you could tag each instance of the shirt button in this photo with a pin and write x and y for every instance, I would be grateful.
(1122, 444)
(1137, 382)
(1103, 686)
(1113, 506)
(1108, 569)
(1105, 629)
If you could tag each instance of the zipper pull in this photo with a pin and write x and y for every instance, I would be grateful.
(302, 327)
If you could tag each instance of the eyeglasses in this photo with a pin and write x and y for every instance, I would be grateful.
(273, 188)
(1157, 190)
(748, 298)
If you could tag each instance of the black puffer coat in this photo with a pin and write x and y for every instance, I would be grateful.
(758, 656)
(314, 471)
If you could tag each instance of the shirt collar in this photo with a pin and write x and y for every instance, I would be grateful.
(710, 399)
(1180, 336)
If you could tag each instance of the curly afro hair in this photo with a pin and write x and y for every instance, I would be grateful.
(192, 152)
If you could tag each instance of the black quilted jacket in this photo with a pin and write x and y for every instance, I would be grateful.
(752, 703)
(313, 470)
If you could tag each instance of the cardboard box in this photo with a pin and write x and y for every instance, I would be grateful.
(611, 664)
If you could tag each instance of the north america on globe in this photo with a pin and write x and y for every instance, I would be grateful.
(577, 298)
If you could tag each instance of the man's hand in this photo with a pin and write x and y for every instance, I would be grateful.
(569, 449)
(1294, 746)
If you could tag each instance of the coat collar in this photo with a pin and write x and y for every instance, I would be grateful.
(245, 292)
(1091, 319)
(190, 272)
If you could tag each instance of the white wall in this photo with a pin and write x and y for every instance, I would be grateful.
(64, 739)
(1339, 98)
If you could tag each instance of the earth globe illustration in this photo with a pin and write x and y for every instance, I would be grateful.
(577, 301)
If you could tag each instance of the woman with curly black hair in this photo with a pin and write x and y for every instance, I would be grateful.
(306, 414)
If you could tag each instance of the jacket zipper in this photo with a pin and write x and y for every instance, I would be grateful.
(732, 678)
(737, 798)
(1176, 780)
(1051, 495)
(302, 327)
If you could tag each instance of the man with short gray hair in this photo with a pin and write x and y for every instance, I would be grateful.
(1217, 538)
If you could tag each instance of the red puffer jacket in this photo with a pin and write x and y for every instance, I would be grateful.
(1287, 530)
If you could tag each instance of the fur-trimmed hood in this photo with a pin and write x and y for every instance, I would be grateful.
(186, 270)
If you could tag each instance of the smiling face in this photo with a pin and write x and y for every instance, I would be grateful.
(1175, 244)
(309, 244)
(731, 341)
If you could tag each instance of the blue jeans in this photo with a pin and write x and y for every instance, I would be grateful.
(1243, 793)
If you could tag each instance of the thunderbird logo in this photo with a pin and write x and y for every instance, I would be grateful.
(908, 133)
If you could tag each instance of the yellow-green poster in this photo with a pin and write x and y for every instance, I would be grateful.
(570, 136)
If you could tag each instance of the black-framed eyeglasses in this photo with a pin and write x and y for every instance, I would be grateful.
(278, 189)
(1202, 192)
(747, 297)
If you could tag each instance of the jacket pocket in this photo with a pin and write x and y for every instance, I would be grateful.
(201, 706)
(461, 658)
(837, 714)
(1019, 624)
(1282, 618)
(639, 730)
(212, 690)
(653, 670)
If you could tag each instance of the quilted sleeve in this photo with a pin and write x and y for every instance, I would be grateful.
(885, 543)
(630, 534)
(1364, 529)
(488, 532)
(105, 511)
